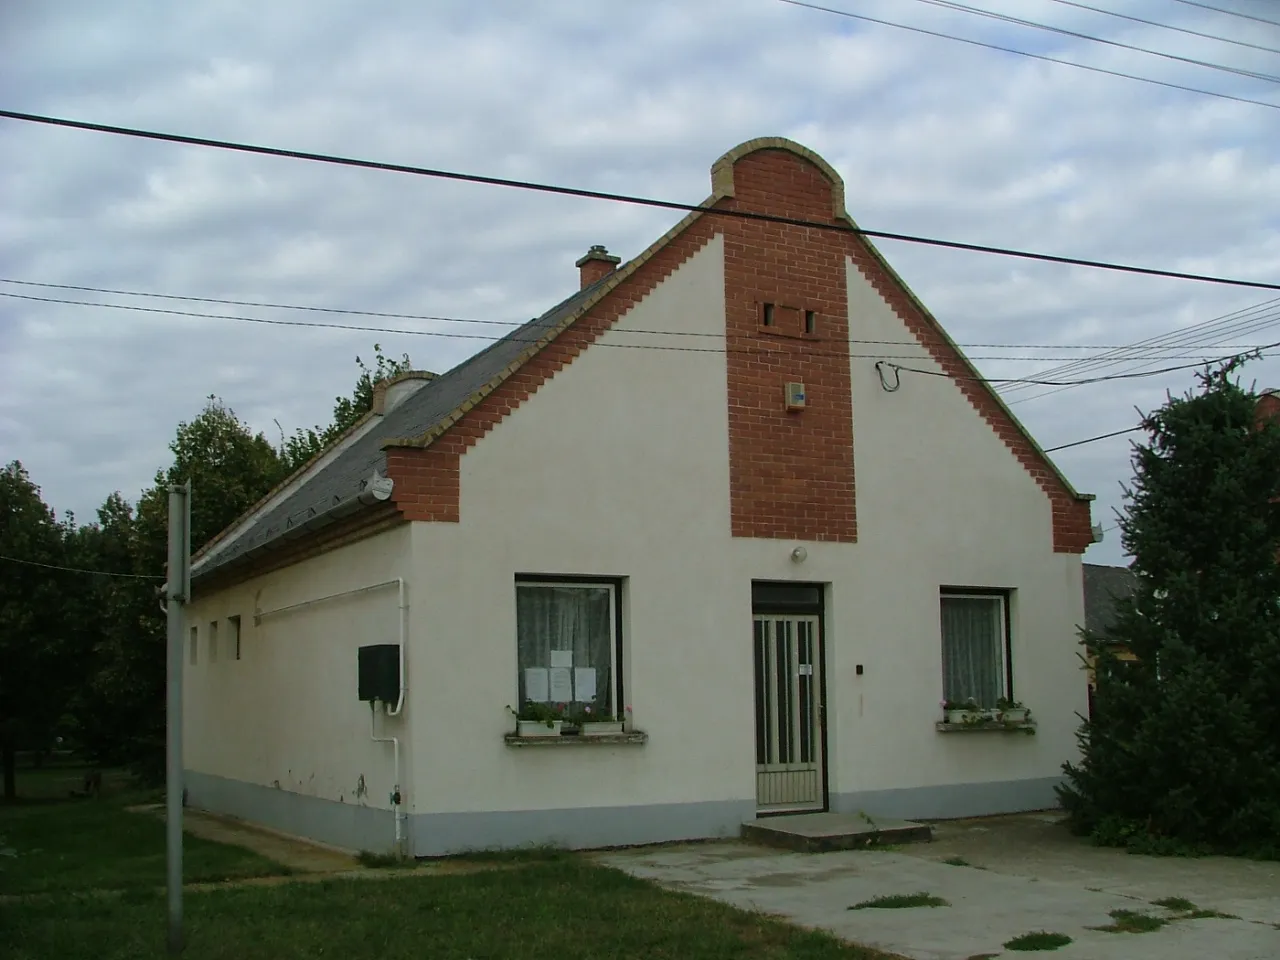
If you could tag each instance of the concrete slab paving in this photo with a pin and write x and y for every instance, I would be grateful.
(1036, 877)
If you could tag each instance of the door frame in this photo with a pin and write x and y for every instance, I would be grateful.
(772, 598)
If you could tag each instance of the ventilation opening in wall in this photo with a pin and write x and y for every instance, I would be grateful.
(810, 321)
(766, 314)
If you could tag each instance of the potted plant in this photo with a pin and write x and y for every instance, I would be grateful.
(593, 721)
(1011, 711)
(539, 719)
(963, 711)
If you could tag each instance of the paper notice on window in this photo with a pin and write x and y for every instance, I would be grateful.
(536, 687)
(562, 658)
(584, 684)
(561, 684)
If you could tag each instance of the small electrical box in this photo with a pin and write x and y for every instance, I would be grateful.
(795, 396)
(379, 669)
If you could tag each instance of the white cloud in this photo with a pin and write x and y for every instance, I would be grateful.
(932, 137)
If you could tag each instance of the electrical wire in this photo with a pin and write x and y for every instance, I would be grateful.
(510, 323)
(1026, 53)
(1101, 436)
(1207, 334)
(541, 334)
(99, 573)
(1166, 26)
(1062, 31)
(730, 212)
(1230, 13)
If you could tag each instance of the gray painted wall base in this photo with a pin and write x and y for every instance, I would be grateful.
(356, 827)
(347, 825)
(578, 828)
(951, 801)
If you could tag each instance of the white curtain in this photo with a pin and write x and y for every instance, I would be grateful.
(571, 618)
(971, 637)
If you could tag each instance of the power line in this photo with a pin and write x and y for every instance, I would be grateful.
(1077, 383)
(1230, 13)
(532, 339)
(100, 573)
(503, 323)
(1062, 31)
(1101, 436)
(627, 198)
(1025, 53)
(1166, 26)
(1198, 335)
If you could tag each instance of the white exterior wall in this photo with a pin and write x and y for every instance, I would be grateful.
(619, 466)
(283, 726)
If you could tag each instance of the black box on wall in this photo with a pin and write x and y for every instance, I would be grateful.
(379, 669)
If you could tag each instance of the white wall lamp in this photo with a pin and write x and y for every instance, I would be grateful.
(799, 555)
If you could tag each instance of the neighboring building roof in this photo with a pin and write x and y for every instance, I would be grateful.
(1104, 587)
(344, 478)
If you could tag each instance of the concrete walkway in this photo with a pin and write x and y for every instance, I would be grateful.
(1026, 874)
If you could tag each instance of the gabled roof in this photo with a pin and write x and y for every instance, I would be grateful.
(1104, 588)
(337, 481)
(335, 484)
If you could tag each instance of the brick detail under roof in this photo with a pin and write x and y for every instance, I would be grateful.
(427, 484)
(791, 473)
(1072, 527)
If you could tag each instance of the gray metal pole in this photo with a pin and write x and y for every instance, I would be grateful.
(179, 558)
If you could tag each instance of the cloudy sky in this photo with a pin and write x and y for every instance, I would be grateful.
(932, 136)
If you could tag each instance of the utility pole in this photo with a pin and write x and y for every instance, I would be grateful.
(178, 594)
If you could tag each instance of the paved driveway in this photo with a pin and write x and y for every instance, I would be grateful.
(1025, 874)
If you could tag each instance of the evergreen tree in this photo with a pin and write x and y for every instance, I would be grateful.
(1182, 751)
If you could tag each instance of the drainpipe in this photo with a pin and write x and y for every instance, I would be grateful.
(395, 752)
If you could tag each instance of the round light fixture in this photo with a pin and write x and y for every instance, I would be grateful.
(799, 554)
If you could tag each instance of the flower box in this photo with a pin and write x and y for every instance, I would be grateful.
(601, 728)
(538, 728)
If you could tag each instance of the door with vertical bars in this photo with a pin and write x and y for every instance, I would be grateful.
(789, 772)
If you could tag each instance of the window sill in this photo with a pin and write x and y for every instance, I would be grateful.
(988, 726)
(577, 740)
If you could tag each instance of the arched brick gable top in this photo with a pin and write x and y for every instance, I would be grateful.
(776, 176)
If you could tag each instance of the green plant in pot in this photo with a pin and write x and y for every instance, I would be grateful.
(593, 720)
(1011, 711)
(539, 719)
(963, 711)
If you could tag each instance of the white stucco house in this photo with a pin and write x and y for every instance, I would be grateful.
(695, 488)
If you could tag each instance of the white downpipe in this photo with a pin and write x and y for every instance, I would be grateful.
(395, 752)
(404, 636)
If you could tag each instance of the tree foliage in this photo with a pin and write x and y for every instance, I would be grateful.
(305, 444)
(1181, 752)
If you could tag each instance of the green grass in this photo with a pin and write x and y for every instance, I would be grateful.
(1177, 904)
(1040, 940)
(901, 901)
(1131, 921)
(961, 862)
(67, 845)
(569, 909)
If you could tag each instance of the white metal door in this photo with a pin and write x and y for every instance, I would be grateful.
(789, 774)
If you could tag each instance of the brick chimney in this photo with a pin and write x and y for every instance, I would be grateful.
(596, 265)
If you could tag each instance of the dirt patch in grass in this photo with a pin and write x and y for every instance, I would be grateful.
(1039, 940)
(901, 901)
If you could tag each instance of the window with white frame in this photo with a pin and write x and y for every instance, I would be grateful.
(975, 646)
(567, 642)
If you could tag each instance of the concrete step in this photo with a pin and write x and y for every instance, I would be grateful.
(820, 832)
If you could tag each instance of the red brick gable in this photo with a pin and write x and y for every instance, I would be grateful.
(791, 474)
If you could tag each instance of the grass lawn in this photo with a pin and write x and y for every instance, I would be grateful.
(567, 909)
(64, 845)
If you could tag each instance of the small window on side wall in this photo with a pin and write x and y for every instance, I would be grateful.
(213, 641)
(567, 643)
(975, 646)
(233, 636)
(194, 640)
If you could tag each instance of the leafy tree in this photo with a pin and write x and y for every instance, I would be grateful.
(36, 671)
(1182, 751)
(305, 444)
